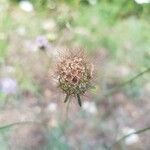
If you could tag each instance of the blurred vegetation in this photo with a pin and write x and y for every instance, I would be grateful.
(111, 9)
(121, 28)
(118, 28)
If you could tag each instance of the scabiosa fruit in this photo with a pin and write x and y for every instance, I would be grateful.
(74, 74)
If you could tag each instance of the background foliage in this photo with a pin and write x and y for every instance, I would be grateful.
(114, 33)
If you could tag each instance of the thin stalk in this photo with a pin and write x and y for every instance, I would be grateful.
(114, 90)
(16, 123)
(67, 109)
(128, 135)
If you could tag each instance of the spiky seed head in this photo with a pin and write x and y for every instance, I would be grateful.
(74, 72)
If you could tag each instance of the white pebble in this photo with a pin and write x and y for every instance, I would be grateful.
(26, 6)
(132, 139)
(52, 107)
(90, 107)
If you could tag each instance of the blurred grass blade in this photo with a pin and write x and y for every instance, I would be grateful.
(16, 123)
(128, 135)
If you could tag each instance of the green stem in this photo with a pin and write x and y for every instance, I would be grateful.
(16, 123)
(114, 90)
(67, 109)
(128, 135)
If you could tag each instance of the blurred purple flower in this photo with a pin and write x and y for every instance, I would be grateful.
(42, 42)
(8, 86)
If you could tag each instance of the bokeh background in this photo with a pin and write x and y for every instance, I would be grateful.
(116, 36)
